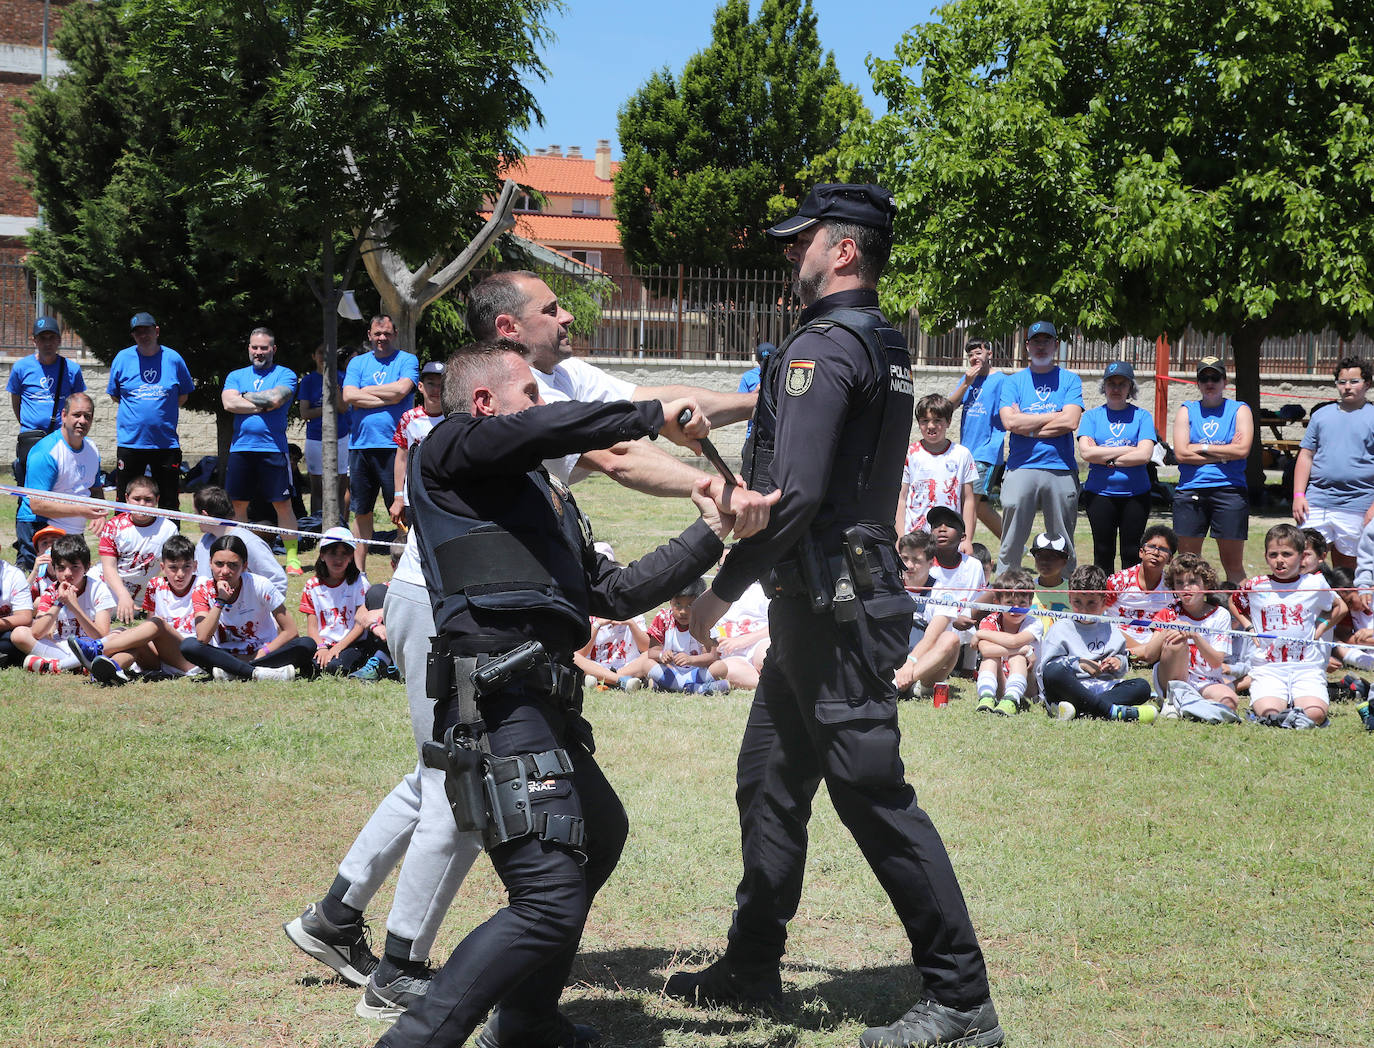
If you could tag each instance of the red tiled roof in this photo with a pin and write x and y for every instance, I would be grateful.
(571, 230)
(554, 174)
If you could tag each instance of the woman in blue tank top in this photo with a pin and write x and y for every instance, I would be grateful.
(1212, 439)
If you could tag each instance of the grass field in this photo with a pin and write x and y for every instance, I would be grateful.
(1165, 885)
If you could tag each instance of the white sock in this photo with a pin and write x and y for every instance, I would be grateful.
(1016, 687)
(63, 654)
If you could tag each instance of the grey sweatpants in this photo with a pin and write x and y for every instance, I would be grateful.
(1026, 491)
(414, 820)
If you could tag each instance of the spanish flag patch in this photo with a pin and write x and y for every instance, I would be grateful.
(799, 374)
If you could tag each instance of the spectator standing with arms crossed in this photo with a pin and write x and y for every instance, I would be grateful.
(1212, 438)
(259, 397)
(379, 386)
(149, 382)
(1040, 408)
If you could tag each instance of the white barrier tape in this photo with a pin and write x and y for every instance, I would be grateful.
(1176, 627)
(171, 514)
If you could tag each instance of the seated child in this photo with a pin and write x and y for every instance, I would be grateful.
(983, 556)
(914, 549)
(1084, 663)
(130, 545)
(1137, 592)
(1290, 612)
(243, 630)
(330, 603)
(682, 662)
(743, 639)
(616, 656)
(372, 617)
(16, 609)
(1051, 557)
(78, 604)
(155, 643)
(1196, 657)
(41, 578)
(1009, 643)
(955, 579)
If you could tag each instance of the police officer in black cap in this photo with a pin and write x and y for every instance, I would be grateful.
(831, 429)
(508, 560)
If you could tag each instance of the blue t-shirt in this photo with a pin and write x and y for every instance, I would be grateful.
(35, 383)
(1117, 429)
(1342, 443)
(1040, 395)
(54, 466)
(1211, 426)
(149, 390)
(311, 391)
(375, 427)
(749, 381)
(980, 427)
(267, 431)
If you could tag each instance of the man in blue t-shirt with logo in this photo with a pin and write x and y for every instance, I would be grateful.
(379, 386)
(259, 397)
(39, 386)
(980, 427)
(149, 382)
(1040, 409)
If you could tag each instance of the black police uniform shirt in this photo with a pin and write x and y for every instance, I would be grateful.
(488, 468)
(829, 408)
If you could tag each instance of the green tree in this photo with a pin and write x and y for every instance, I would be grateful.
(309, 130)
(1129, 166)
(714, 155)
(118, 237)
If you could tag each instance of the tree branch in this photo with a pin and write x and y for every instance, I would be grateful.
(456, 270)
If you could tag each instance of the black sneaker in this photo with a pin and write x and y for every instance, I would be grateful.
(929, 1024)
(728, 982)
(561, 1032)
(343, 947)
(386, 1002)
(104, 670)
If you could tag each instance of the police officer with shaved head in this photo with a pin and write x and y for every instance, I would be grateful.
(831, 429)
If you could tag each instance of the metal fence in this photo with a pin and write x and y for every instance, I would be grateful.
(18, 311)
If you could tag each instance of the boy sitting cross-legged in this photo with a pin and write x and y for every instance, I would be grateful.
(78, 604)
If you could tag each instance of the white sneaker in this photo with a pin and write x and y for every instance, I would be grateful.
(631, 683)
(1067, 711)
(1360, 658)
(589, 681)
(274, 673)
(220, 674)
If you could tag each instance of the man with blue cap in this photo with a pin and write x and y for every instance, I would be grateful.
(831, 430)
(1041, 406)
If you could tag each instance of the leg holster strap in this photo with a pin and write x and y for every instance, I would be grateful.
(512, 783)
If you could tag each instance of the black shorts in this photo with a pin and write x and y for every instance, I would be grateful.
(1222, 512)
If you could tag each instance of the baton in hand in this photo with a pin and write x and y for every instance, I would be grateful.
(709, 450)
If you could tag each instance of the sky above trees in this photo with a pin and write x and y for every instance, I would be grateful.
(605, 49)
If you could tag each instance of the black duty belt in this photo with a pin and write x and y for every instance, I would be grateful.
(546, 678)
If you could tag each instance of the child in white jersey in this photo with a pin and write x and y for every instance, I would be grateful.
(1009, 644)
(742, 634)
(16, 609)
(1198, 655)
(955, 580)
(938, 472)
(330, 604)
(683, 663)
(79, 604)
(1290, 612)
(130, 547)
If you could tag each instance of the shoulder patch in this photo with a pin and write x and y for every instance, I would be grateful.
(799, 373)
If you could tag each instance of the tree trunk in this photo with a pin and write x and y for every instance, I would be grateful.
(224, 436)
(1245, 345)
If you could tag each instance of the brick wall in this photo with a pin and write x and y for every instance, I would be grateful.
(14, 197)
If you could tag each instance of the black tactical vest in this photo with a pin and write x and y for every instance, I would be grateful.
(873, 467)
(514, 567)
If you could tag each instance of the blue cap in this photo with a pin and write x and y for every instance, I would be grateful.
(1119, 369)
(142, 320)
(1042, 327)
(434, 367)
(43, 324)
(865, 205)
(762, 350)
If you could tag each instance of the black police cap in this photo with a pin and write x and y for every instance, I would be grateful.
(840, 202)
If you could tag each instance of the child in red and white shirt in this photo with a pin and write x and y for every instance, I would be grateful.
(742, 639)
(1139, 592)
(938, 472)
(1197, 655)
(616, 655)
(330, 605)
(130, 547)
(682, 663)
(1009, 644)
(1289, 612)
(16, 609)
(79, 604)
(413, 427)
